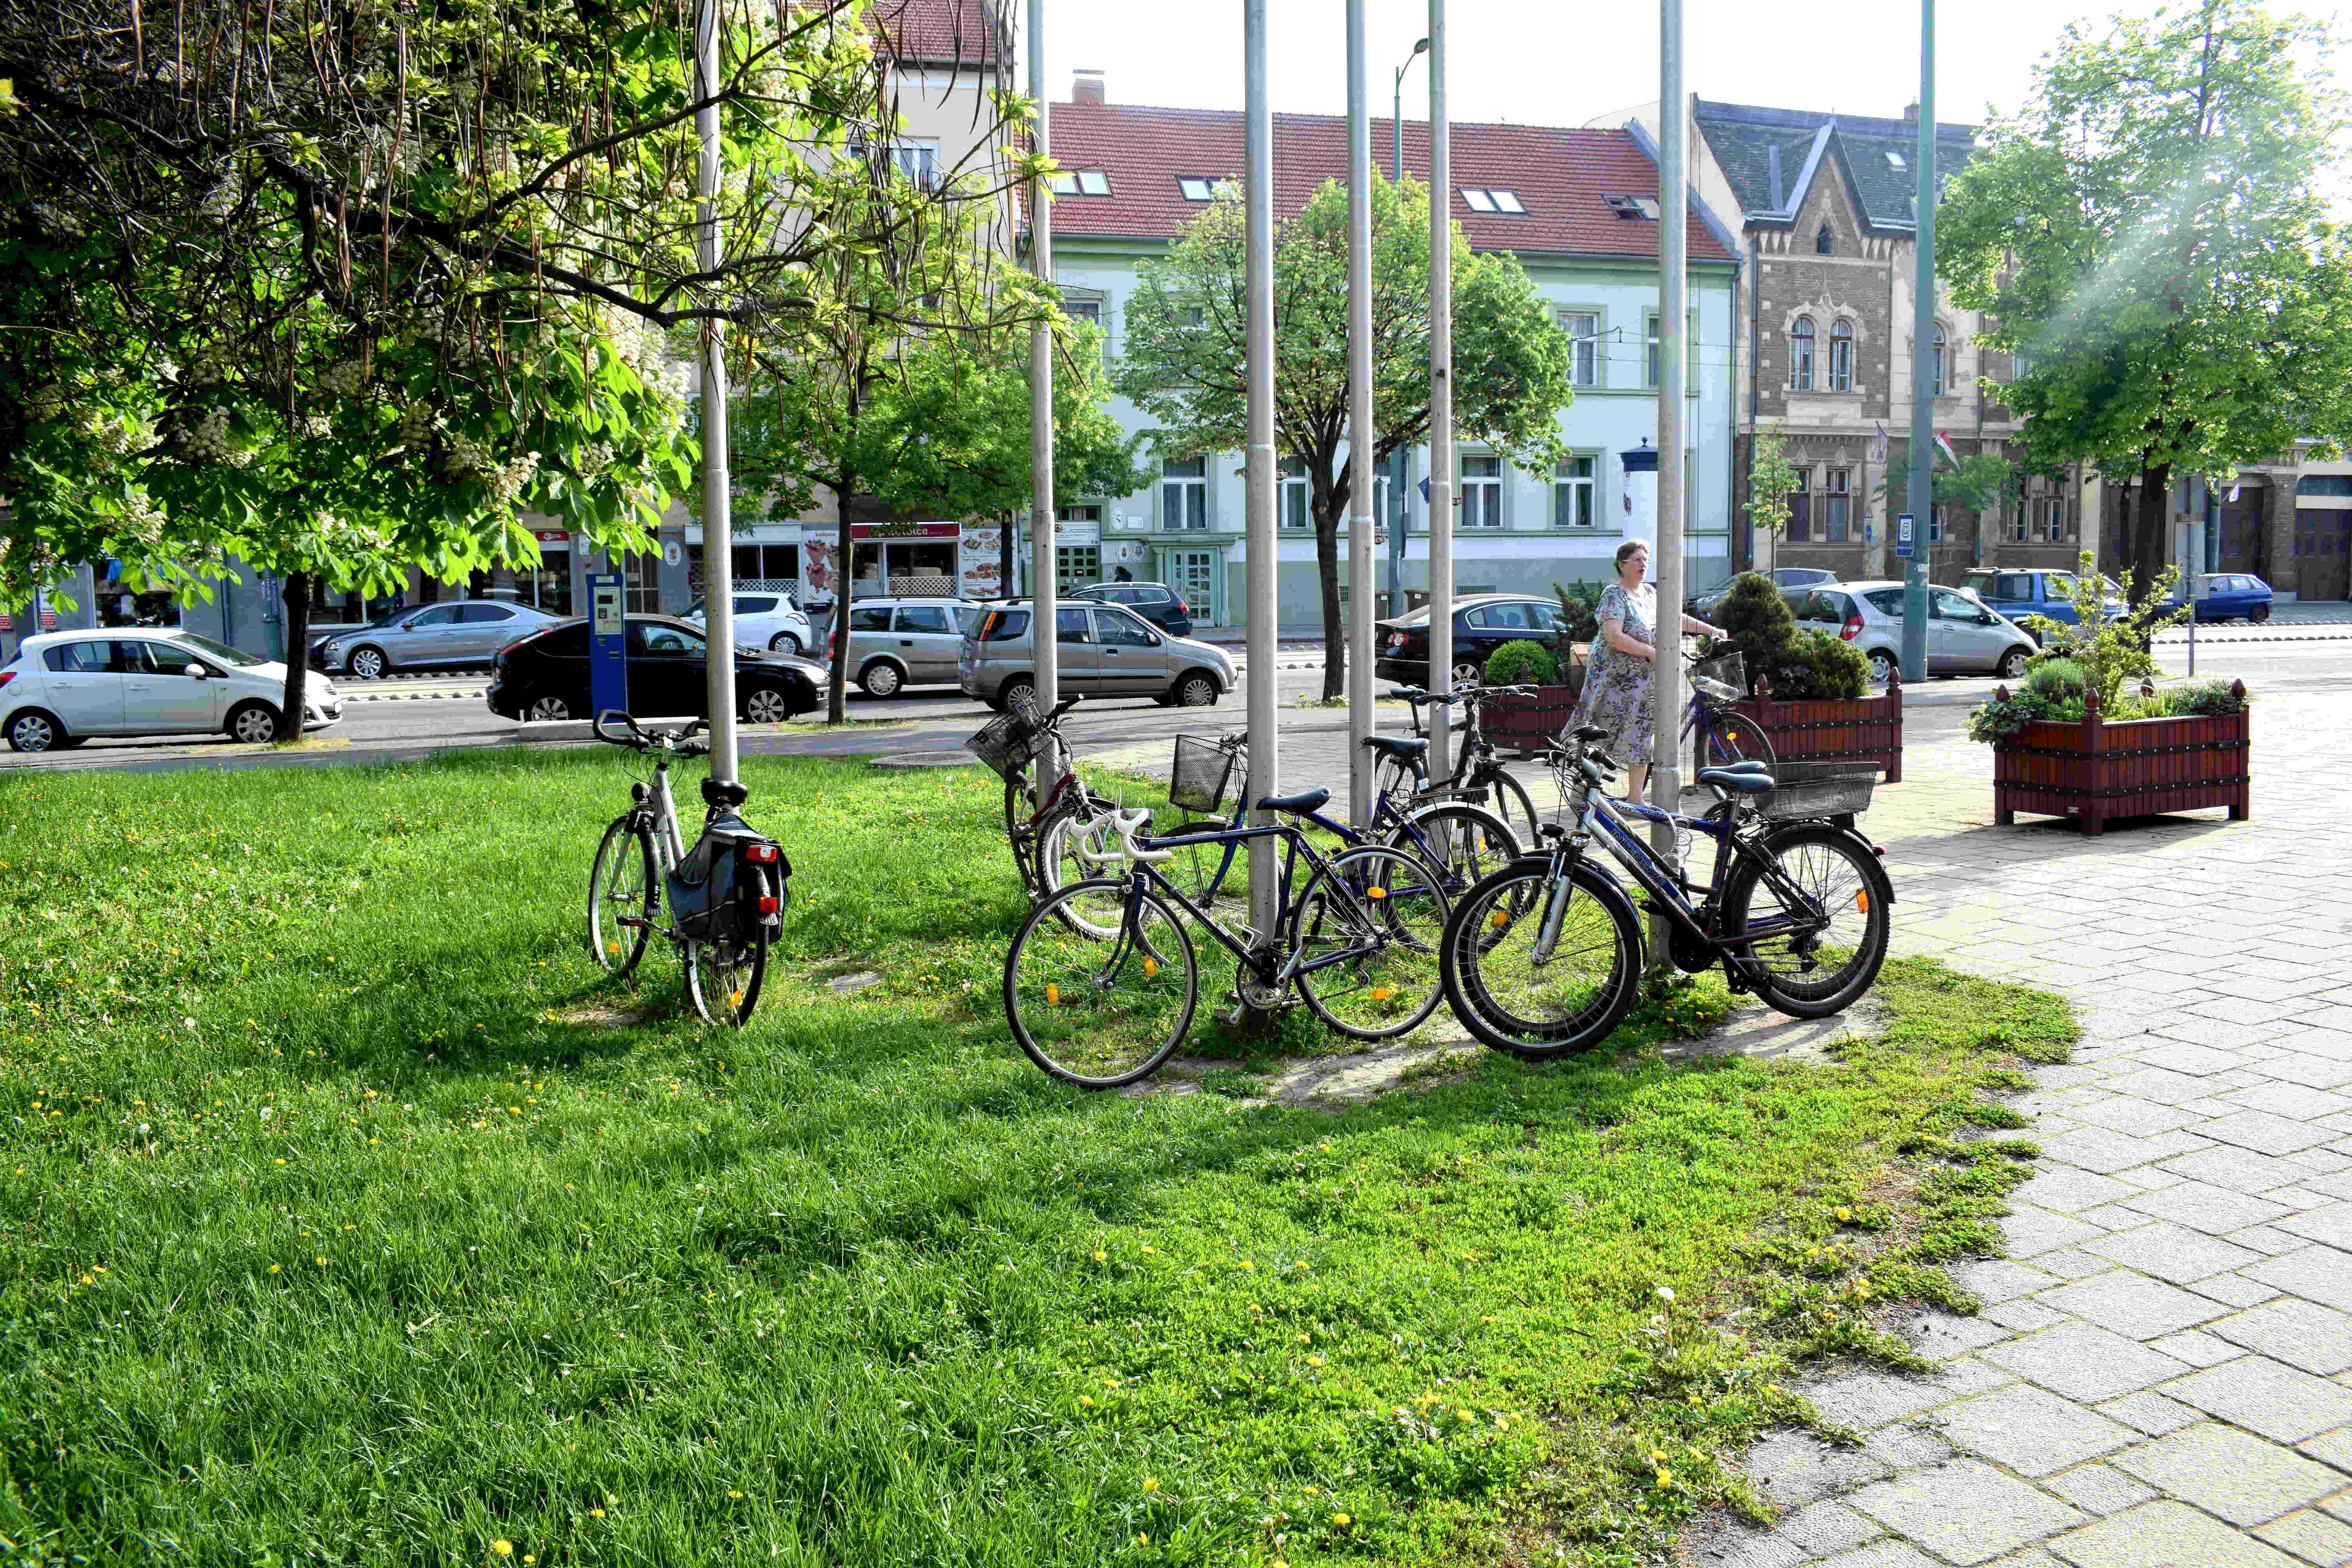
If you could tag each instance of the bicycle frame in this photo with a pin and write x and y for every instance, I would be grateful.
(1603, 822)
(1141, 874)
(1385, 814)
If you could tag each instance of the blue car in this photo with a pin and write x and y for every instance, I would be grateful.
(2233, 596)
(2018, 593)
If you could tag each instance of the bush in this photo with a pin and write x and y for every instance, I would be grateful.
(2055, 679)
(1819, 667)
(2204, 700)
(1757, 621)
(1521, 662)
(1579, 623)
(2109, 653)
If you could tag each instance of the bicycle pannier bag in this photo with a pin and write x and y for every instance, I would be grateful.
(729, 885)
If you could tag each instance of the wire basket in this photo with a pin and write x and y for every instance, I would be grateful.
(1006, 741)
(1197, 781)
(1802, 790)
(1726, 667)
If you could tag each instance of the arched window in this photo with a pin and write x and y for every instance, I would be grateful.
(1823, 243)
(1942, 381)
(1801, 355)
(1841, 356)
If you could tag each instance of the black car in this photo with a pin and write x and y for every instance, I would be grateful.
(1157, 603)
(545, 675)
(1482, 624)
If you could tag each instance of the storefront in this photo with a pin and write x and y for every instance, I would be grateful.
(900, 560)
(545, 586)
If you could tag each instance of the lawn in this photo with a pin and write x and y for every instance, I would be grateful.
(352, 1217)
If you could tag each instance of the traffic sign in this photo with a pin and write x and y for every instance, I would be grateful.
(1904, 527)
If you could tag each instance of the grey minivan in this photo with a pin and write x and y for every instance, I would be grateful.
(898, 643)
(1104, 650)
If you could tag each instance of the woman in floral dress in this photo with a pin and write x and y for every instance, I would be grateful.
(1618, 686)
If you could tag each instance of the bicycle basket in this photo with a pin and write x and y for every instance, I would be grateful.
(1726, 667)
(1197, 782)
(1006, 741)
(1802, 790)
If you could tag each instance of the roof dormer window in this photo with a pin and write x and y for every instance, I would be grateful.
(1634, 208)
(1205, 187)
(1894, 160)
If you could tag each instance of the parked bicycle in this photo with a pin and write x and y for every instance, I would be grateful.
(1359, 942)
(726, 896)
(1479, 777)
(1543, 958)
(1041, 786)
(1724, 738)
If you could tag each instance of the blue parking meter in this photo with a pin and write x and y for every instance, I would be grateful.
(608, 664)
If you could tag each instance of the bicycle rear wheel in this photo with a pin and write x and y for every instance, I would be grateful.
(1020, 804)
(1564, 1001)
(723, 979)
(1366, 932)
(1726, 738)
(1508, 799)
(1101, 1014)
(621, 886)
(1830, 958)
(1079, 844)
(1468, 843)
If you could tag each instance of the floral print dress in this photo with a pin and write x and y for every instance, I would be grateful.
(1617, 686)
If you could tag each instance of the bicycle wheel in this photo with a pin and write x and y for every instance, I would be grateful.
(1366, 933)
(1727, 738)
(1078, 846)
(1095, 1014)
(1467, 843)
(1019, 805)
(621, 884)
(723, 979)
(1508, 799)
(1817, 968)
(1570, 997)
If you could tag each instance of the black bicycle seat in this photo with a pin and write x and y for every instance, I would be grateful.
(1590, 733)
(1396, 746)
(1297, 805)
(726, 794)
(1738, 781)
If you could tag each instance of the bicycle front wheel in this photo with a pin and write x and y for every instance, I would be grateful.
(1020, 804)
(621, 889)
(1467, 843)
(1727, 738)
(1366, 934)
(1508, 799)
(723, 978)
(1080, 845)
(1101, 1014)
(1542, 967)
(1828, 929)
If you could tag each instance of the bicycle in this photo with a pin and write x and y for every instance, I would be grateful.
(728, 893)
(1726, 738)
(1026, 751)
(1542, 959)
(1477, 767)
(1360, 944)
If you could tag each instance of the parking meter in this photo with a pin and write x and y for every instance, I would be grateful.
(608, 664)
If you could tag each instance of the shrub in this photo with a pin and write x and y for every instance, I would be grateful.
(2109, 652)
(1997, 719)
(1757, 620)
(2203, 700)
(1577, 621)
(1522, 662)
(1819, 667)
(2055, 678)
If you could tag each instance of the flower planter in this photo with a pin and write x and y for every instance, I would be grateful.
(1863, 730)
(2093, 771)
(1531, 723)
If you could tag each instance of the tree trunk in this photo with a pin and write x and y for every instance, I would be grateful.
(1335, 629)
(2146, 547)
(836, 685)
(1007, 555)
(295, 591)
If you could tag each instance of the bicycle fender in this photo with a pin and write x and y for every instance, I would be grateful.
(1870, 853)
(1608, 887)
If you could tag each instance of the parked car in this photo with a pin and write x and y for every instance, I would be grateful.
(1963, 636)
(1482, 623)
(460, 633)
(63, 687)
(545, 675)
(898, 643)
(1157, 603)
(2231, 596)
(1104, 650)
(771, 621)
(1785, 578)
(2016, 594)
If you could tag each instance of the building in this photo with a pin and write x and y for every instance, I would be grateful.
(1578, 206)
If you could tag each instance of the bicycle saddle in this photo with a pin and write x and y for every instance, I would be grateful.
(1738, 781)
(726, 796)
(1394, 746)
(1297, 805)
(1590, 733)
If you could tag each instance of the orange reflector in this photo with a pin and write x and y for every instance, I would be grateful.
(1862, 900)
(735, 998)
(1382, 993)
(1150, 966)
(1502, 918)
(1376, 892)
(1053, 994)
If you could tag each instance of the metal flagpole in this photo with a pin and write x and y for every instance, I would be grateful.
(1042, 585)
(1363, 601)
(1265, 893)
(1441, 396)
(1919, 491)
(1666, 567)
(718, 528)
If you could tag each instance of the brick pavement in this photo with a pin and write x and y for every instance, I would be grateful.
(2161, 1373)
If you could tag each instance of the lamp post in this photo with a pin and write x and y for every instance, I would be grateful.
(1400, 509)
(1919, 490)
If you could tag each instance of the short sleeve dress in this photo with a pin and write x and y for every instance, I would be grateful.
(1617, 686)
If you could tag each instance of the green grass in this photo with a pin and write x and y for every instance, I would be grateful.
(352, 1217)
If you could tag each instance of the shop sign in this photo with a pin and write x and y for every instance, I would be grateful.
(906, 531)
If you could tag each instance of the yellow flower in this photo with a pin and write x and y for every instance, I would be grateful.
(273, 1268)
(322, 1263)
(1665, 1477)
(1315, 1360)
(1843, 1214)
(595, 1513)
(1149, 1485)
(1245, 1264)
(1342, 1519)
(1099, 1256)
(503, 1548)
(734, 1494)
(1086, 1400)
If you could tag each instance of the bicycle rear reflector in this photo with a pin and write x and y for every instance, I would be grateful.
(762, 854)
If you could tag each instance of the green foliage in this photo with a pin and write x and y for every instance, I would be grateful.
(1756, 622)
(2109, 651)
(2054, 679)
(2205, 698)
(1522, 660)
(1818, 666)
(1771, 479)
(1579, 618)
(1808, 665)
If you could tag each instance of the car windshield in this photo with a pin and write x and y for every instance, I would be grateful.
(220, 651)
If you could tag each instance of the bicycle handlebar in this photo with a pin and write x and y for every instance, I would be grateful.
(644, 740)
(1128, 824)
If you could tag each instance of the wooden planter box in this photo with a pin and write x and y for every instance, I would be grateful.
(2094, 771)
(1862, 731)
(1530, 724)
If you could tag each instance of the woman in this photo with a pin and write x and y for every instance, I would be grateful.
(1619, 687)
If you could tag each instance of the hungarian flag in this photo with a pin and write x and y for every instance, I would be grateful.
(1944, 449)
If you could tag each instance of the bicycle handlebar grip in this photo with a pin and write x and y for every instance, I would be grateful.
(1064, 706)
(1126, 823)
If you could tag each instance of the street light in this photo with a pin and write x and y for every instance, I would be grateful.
(1398, 512)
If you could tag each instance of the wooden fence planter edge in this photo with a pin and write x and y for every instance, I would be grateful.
(1528, 724)
(1860, 730)
(2095, 769)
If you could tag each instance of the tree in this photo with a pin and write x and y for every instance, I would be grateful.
(1771, 480)
(1978, 485)
(2147, 232)
(1186, 332)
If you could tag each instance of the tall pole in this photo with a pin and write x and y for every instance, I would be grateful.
(1441, 395)
(1400, 509)
(1363, 603)
(1919, 496)
(1266, 894)
(1666, 567)
(1042, 586)
(718, 527)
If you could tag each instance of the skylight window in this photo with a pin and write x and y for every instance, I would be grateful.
(1634, 208)
(1082, 183)
(1202, 187)
(1480, 202)
(1506, 201)
(1894, 160)
(1483, 200)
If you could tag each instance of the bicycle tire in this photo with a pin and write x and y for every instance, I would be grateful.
(1510, 802)
(1065, 841)
(625, 851)
(723, 984)
(1865, 890)
(1727, 738)
(1384, 913)
(1467, 843)
(1083, 1037)
(1018, 809)
(1481, 961)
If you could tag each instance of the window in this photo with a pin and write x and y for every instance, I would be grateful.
(1082, 183)
(2048, 514)
(1824, 242)
(919, 161)
(1086, 311)
(1583, 329)
(1480, 202)
(445, 615)
(1837, 500)
(1511, 617)
(1886, 601)
(1078, 564)
(925, 618)
(1573, 487)
(80, 658)
(1482, 491)
(2332, 485)
(1192, 316)
(1002, 626)
(2012, 587)
(1294, 496)
(1935, 525)
(2020, 366)
(1206, 187)
(641, 585)
(1800, 509)
(653, 639)
(1938, 384)
(1117, 629)
(1634, 208)
(1493, 201)
(870, 618)
(758, 563)
(2020, 525)
(1070, 626)
(1841, 356)
(481, 614)
(1185, 493)
(1894, 160)
(1801, 355)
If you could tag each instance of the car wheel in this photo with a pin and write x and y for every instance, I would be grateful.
(766, 705)
(785, 642)
(2258, 614)
(880, 678)
(1196, 691)
(1468, 674)
(546, 710)
(253, 722)
(2012, 663)
(1016, 688)
(1883, 667)
(34, 731)
(368, 663)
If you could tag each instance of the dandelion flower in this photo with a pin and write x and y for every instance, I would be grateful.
(1665, 1295)
(734, 1494)
(1342, 1519)
(595, 1513)
(1086, 1400)
(273, 1268)
(503, 1548)
(1149, 1485)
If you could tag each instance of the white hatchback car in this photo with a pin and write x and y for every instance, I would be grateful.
(63, 687)
(771, 621)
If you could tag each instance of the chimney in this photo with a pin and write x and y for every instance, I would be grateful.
(1911, 113)
(1087, 87)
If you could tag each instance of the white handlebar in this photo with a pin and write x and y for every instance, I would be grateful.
(1127, 824)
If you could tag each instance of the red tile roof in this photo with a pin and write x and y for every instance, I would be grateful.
(1562, 176)
(942, 32)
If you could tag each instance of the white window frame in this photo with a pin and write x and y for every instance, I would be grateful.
(1294, 497)
(1801, 354)
(1568, 488)
(1476, 200)
(918, 158)
(1583, 347)
(1183, 498)
(1840, 355)
(1482, 494)
(1942, 384)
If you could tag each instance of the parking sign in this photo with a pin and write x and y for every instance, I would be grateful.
(1904, 529)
